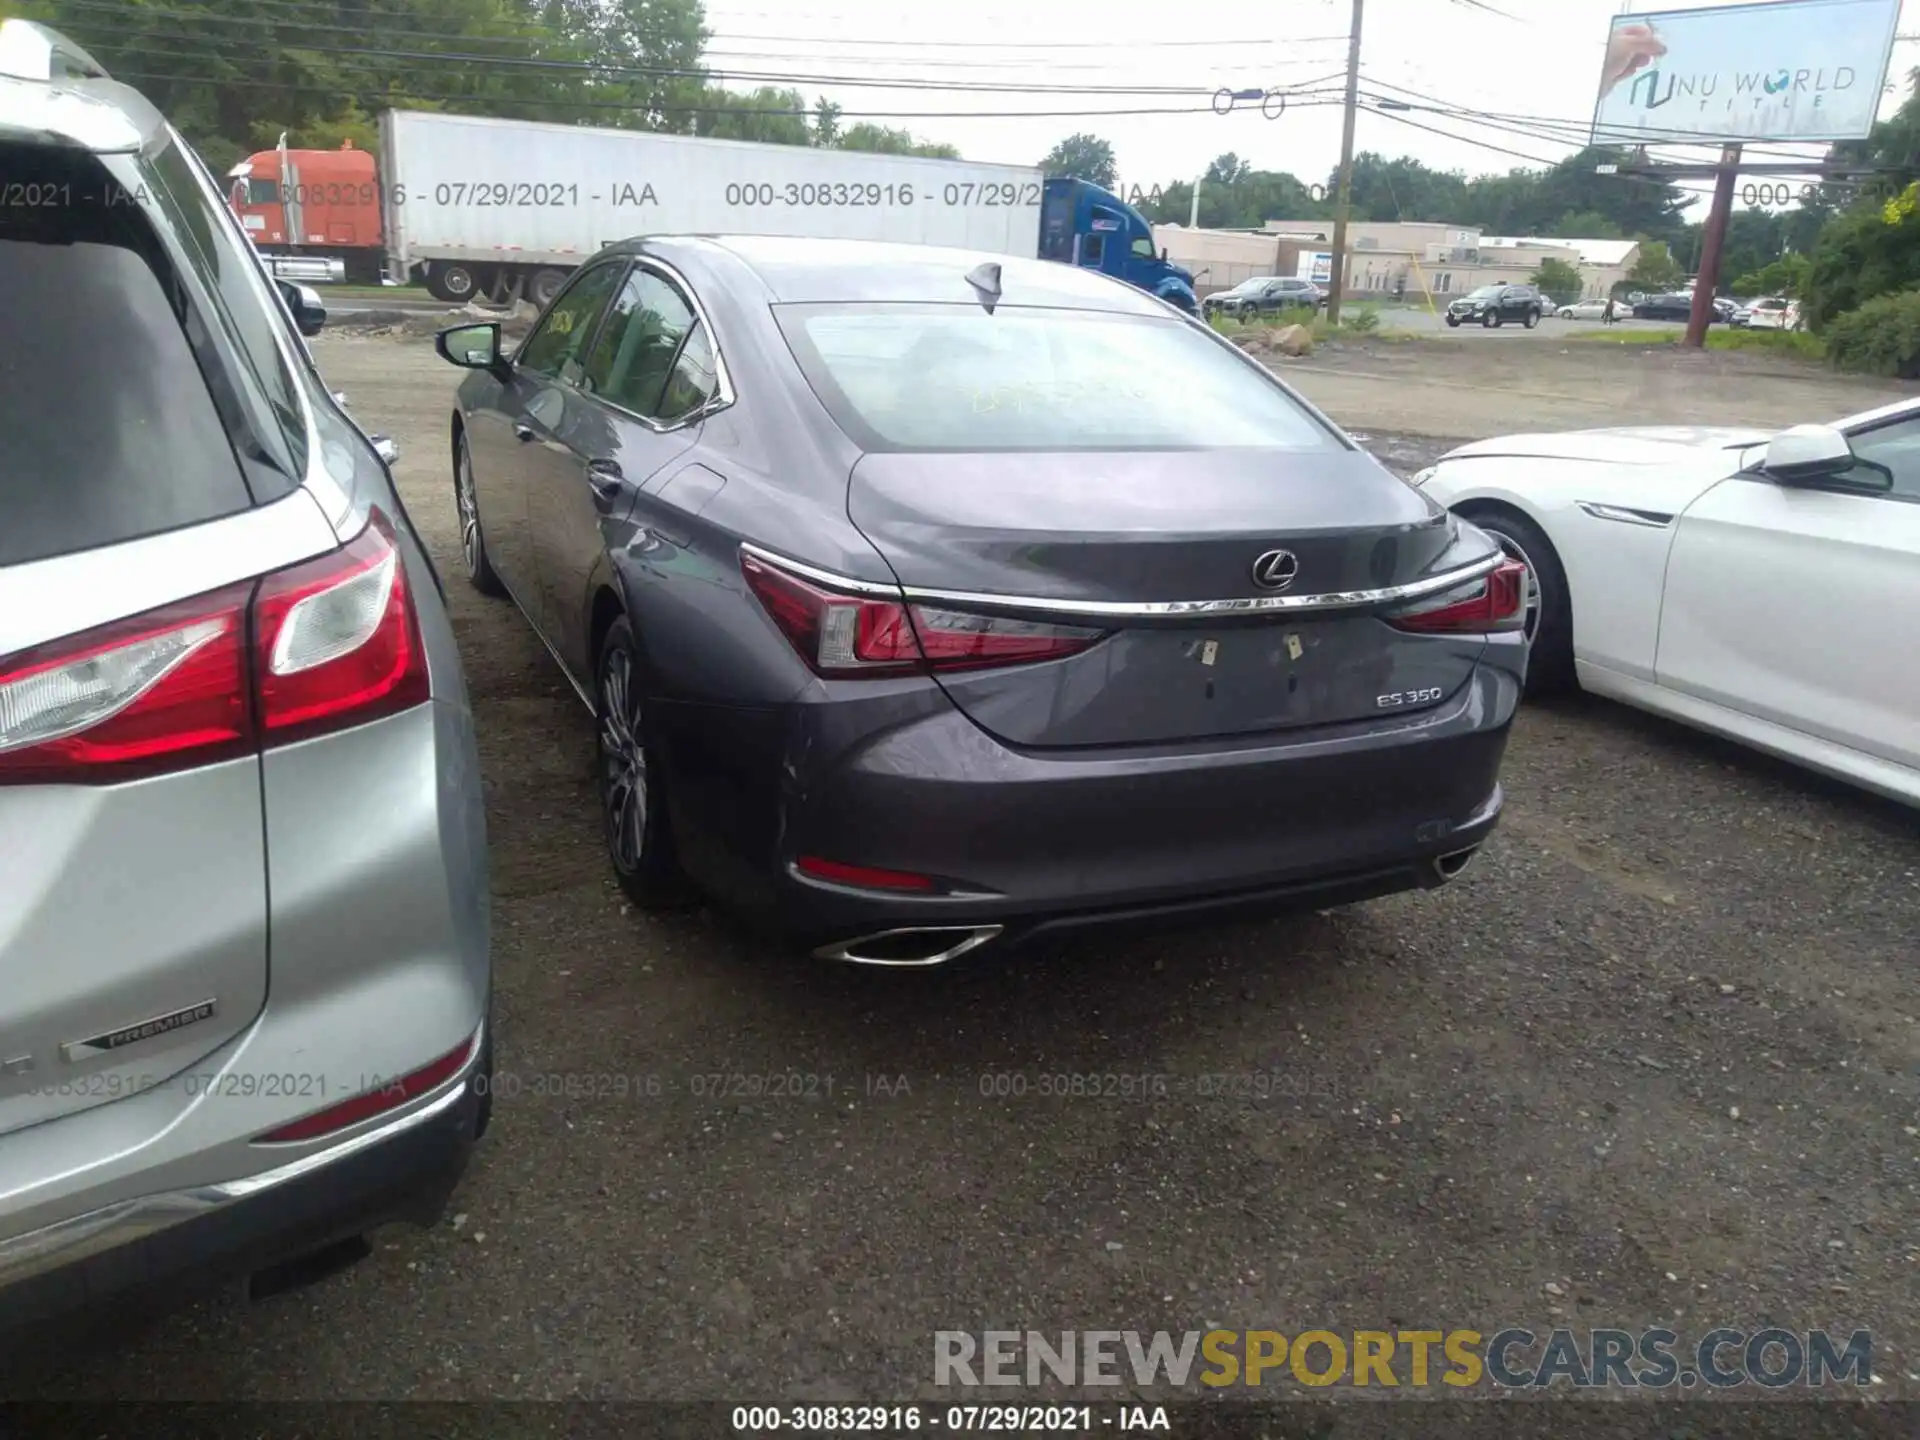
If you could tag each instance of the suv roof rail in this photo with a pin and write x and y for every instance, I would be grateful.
(32, 51)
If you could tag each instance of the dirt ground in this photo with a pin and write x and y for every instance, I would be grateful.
(1511, 380)
(1654, 1060)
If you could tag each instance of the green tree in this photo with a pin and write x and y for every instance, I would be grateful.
(1558, 281)
(1865, 253)
(1082, 157)
(773, 117)
(234, 74)
(826, 122)
(1654, 268)
(885, 141)
(1227, 169)
(1785, 276)
(1586, 225)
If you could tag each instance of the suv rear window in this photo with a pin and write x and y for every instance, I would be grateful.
(107, 429)
(953, 377)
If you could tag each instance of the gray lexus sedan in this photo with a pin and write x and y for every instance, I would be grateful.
(927, 600)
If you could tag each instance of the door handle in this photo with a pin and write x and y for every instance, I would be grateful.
(522, 432)
(605, 477)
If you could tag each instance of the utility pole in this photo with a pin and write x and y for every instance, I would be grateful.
(1712, 241)
(1193, 210)
(1344, 204)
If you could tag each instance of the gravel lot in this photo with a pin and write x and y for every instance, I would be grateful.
(1653, 1060)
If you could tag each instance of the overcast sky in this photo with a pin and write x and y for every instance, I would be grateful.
(1540, 58)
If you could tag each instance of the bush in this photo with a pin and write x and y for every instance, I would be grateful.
(1796, 343)
(1363, 320)
(1881, 337)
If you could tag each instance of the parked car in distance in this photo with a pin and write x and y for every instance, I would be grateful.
(244, 969)
(1671, 567)
(1675, 306)
(1588, 310)
(1494, 305)
(1775, 313)
(865, 558)
(1266, 295)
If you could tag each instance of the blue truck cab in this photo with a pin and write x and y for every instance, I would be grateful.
(1081, 224)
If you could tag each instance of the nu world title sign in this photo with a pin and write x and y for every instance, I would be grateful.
(1791, 70)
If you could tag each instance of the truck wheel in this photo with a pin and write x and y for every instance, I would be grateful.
(544, 285)
(451, 281)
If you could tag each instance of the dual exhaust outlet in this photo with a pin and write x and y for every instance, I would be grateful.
(920, 946)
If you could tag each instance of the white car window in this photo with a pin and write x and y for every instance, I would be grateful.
(1896, 446)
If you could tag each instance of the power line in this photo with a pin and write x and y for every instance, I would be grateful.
(1479, 5)
(403, 92)
(1580, 130)
(598, 69)
(535, 28)
(1400, 119)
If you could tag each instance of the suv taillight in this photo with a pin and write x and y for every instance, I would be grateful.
(326, 644)
(852, 635)
(336, 640)
(1496, 602)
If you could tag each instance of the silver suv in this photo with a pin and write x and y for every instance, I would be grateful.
(244, 971)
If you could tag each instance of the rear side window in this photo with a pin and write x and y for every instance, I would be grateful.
(107, 429)
(633, 354)
(953, 377)
(556, 347)
(233, 276)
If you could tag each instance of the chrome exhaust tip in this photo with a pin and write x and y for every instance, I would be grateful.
(910, 946)
(1449, 867)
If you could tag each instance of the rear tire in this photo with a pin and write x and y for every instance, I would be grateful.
(1533, 318)
(452, 281)
(633, 808)
(473, 540)
(544, 285)
(1550, 663)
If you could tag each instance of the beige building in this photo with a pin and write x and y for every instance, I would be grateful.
(1221, 259)
(1408, 258)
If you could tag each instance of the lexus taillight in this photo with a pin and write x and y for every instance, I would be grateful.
(328, 643)
(1497, 601)
(841, 634)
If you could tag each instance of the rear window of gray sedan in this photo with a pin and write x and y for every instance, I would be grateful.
(954, 377)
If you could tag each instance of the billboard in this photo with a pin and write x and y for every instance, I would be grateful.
(1315, 265)
(1788, 70)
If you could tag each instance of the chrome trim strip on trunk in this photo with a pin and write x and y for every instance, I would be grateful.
(1141, 609)
(67, 1241)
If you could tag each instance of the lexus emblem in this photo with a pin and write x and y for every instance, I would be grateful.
(1275, 570)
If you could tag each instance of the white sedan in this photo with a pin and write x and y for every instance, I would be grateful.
(1761, 585)
(1587, 310)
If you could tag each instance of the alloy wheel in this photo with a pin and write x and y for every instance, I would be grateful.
(624, 761)
(469, 509)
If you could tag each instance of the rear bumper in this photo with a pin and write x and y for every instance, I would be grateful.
(150, 1253)
(1042, 842)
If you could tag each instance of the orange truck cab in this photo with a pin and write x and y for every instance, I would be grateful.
(312, 214)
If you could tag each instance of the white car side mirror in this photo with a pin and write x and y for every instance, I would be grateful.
(1809, 452)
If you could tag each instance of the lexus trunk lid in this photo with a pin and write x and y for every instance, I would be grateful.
(1160, 548)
